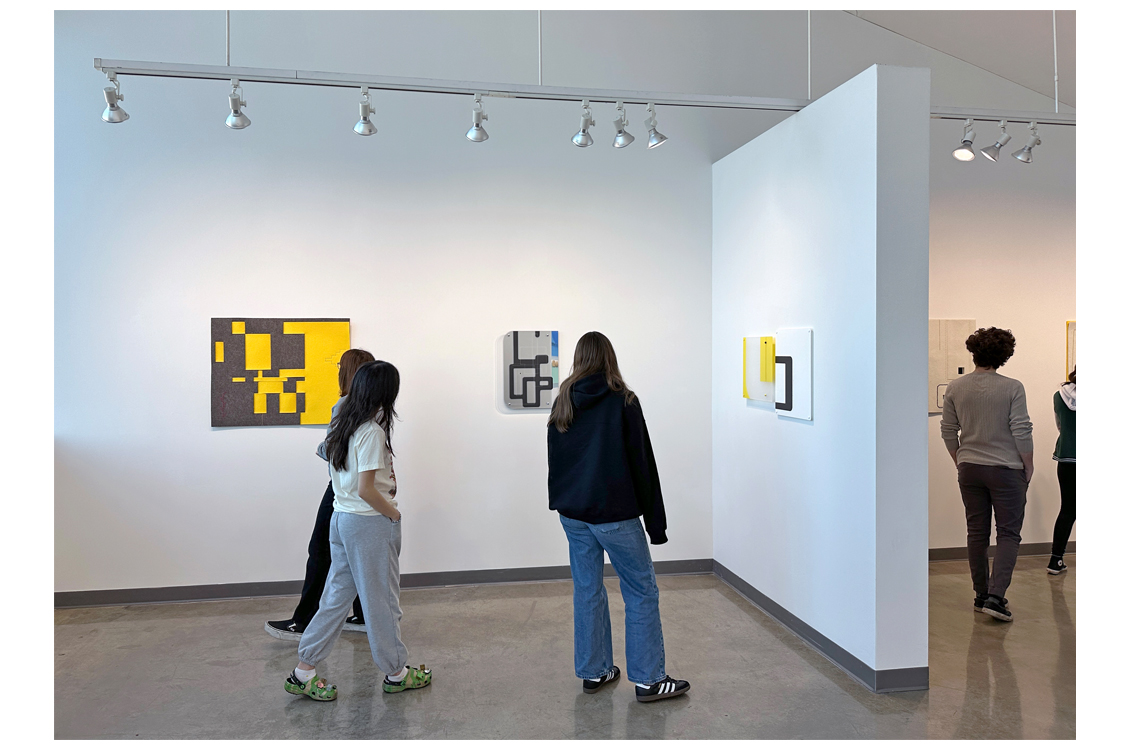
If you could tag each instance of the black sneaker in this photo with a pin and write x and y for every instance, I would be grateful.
(591, 686)
(995, 607)
(979, 602)
(1056, 566)
(665, 688)
(355, 624)
(287, 630)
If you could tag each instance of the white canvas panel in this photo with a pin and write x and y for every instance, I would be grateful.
(794, 373)
(949, 359)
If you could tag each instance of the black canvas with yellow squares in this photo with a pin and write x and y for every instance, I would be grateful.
(275, 371)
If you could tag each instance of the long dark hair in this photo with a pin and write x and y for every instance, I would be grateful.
(347, 367)
(1071, 377)
(372, 396)
(594, 353)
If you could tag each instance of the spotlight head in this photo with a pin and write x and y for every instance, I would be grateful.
(477, 133)
(623, 137)
(364, 126)
(582, 138)
(965, 151)
(113, 113)
(1025, 153)
(654, 137)
(992, 153)
(237, 120)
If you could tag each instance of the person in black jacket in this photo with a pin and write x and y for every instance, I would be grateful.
(602, 478)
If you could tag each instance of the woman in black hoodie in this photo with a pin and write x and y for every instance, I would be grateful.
(602, 478)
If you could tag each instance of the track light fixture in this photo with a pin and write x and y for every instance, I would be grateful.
(478, 134)
(237, 120)
(1025, 154)
(654, 137)
(993, 152)
(965, 152)
(114, 113)
(364, 126)
(582, 138)
(623, 137)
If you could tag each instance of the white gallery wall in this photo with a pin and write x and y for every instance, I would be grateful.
(828, 518)
(433, 247)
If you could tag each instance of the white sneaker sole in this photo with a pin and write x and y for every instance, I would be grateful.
(1053, 572)
(997, 615)
(282, 635)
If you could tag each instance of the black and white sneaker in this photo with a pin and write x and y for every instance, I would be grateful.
(1056, 566)
(995, 607)
(591, 686)
(979, 602)
(665, 688)
(287, 630)
(355, 624)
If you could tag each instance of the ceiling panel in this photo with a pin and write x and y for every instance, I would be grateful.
(1014, 44)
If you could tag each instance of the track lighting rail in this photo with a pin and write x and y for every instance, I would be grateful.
(521, 91)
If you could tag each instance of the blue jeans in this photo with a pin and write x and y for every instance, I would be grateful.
(626, 546)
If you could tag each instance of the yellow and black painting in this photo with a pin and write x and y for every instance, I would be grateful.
(275, 371)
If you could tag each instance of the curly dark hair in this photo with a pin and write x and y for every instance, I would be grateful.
(991, 347)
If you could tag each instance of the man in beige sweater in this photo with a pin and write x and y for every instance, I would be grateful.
(986, 428)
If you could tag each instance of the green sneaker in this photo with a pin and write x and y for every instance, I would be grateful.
(416, 678)
(315, 688)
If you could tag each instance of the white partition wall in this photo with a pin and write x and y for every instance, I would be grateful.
(822, 222)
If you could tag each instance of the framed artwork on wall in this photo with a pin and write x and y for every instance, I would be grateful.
(777, 369)
(529, 369)
(949, 359)
(1070, 348)
(275, 371)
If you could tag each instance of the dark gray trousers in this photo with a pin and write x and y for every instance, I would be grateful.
(988, 491)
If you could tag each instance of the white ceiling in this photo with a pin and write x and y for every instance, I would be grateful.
(1014, 44)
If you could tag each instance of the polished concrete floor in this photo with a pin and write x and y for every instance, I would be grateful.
(502, 657)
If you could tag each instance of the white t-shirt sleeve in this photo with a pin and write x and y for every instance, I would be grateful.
(371, 448)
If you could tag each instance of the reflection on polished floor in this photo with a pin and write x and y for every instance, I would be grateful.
(502, 657)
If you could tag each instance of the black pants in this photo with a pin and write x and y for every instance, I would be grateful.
(989, 491)
(1066, 473)
(318, 564)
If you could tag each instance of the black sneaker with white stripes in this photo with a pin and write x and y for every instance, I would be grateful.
(591, 686)
(1056, 566)
(665, 688)
(287, 630)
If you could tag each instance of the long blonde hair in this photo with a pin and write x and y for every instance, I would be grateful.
(594, 353)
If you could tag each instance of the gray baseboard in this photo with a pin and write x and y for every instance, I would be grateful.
(877, 681)
(220, 591)
(1031, 549)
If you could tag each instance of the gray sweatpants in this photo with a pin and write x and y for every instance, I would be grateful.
(365, 562)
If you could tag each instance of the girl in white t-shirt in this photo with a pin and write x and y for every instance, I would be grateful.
(364, 540)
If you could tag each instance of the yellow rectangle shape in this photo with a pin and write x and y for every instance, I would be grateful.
(238, 327)
(257, 351)
(745, 355)
(239, 380)
(288, 403)
(270, 385)
(300, 386)
(260, 403)
(219, 351)
(768, 359)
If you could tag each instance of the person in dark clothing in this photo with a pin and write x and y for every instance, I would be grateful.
(1064, 403)
(602, 478)
(318, 559)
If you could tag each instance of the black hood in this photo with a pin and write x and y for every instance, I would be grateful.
(590, 391)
